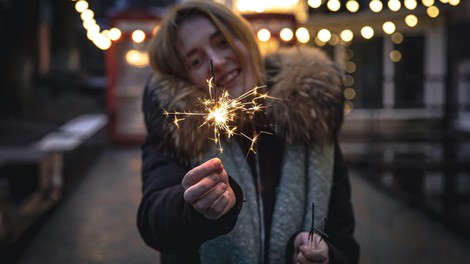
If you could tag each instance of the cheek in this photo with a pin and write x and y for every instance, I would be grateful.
(249, 73)
(198, 79)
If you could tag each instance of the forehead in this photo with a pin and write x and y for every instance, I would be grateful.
(195, 32)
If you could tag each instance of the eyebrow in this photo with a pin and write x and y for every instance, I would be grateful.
(211, 37)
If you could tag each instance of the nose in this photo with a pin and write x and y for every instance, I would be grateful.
(217, 58)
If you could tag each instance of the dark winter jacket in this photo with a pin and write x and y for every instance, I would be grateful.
(306, 118)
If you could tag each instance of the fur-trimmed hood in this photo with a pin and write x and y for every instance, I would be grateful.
(308, 105)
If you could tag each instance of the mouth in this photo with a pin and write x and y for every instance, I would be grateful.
(228, 79)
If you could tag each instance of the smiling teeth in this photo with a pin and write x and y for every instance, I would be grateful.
(229, 78)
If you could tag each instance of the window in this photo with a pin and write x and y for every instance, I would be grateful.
(409, 73)
(368, 77)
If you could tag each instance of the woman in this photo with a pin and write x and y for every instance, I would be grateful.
(200, 205)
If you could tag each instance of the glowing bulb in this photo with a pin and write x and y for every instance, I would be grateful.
(334, 40)
(411, 4)
(375, 6)
(349, 93)
(302, 35)
(324, 35)
(367, 32)
(264, 35)
(454, 2)
(136, 58)
(427, 3)
(397, 38)
(138, 36)
(81, 6)
(348, 80)
(314, 3)
(333, 5)
(114, 34)
(388, 27)
(350, 67)
(411, 20)
(394, 5)
(102, 42)
(87, 15)
(346, 35)
(318, 42)
(395, 56)
(433, 11)
(286, 34)
(348, 107)
(352, 6)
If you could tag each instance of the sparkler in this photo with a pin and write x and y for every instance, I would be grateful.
(313, 230)
(221, 112)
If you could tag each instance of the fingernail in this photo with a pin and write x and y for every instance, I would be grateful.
(216, 162)
(217, 165)
(223, 186)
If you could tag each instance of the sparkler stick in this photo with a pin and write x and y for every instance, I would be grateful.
(213, 79)
(221, 111)
(313, 230)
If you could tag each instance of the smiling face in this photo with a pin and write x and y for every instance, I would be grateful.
(202, 42)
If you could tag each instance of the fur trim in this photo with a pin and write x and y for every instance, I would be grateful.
(307, 108)
(310, 86)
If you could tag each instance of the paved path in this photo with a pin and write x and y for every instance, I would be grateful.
(96, 223)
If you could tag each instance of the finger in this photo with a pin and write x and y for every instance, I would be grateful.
(208, 199)
(316, 255)
(196, 174)
(221, 204)
(196, 191)
(218, 210)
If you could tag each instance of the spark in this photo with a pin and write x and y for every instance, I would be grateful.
(221, 112)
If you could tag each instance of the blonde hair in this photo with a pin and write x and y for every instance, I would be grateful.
(164, 55)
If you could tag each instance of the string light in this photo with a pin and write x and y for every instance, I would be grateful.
(376, 6)
(388, 27)
(333, 5)
(394, 5)
(314, 3)
(411, 20)
(264, 35)
(367, 32)
(347, 35)
(432, 11)
(286, 34)
(427, 3)
(411, 4)
(302, 35)
(324, 35)
(352, 6)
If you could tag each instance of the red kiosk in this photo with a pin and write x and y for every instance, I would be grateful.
(128, 72)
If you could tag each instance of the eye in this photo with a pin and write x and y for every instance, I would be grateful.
(221, 42)
(194, 61)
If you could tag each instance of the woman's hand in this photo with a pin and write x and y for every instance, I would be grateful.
(206, 187)
(305, 253)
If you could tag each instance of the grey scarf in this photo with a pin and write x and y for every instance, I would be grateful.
(307, 174)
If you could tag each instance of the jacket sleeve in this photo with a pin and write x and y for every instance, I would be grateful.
(164, 220)
(340, 223)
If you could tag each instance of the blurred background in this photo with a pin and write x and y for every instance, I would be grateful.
(71, 79)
